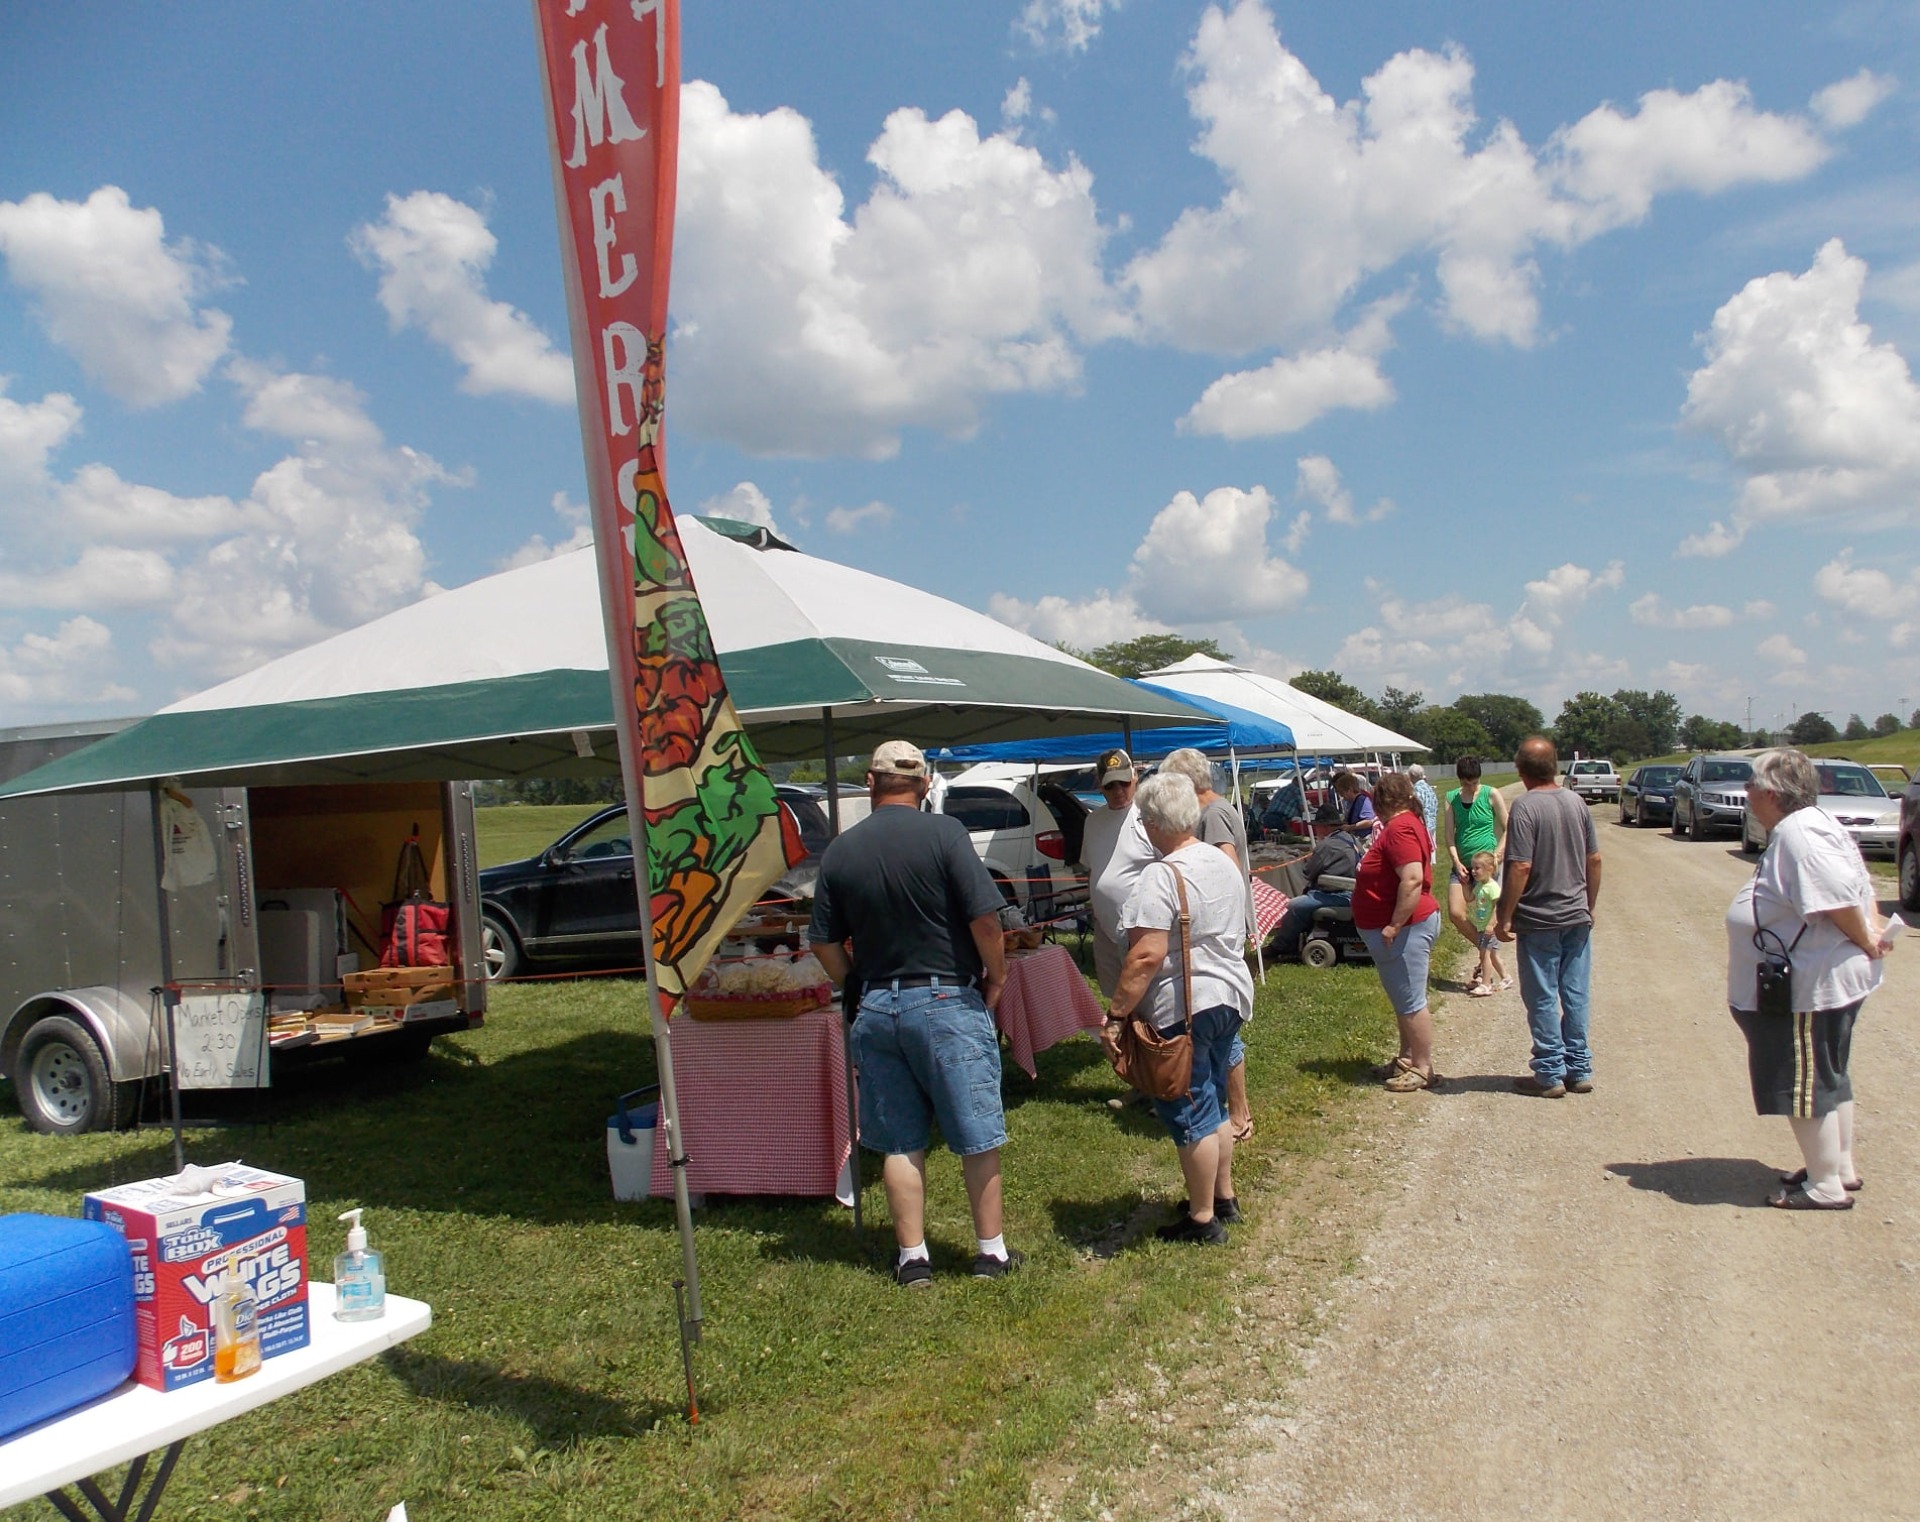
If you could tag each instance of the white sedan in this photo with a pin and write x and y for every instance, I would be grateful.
(1857, 802)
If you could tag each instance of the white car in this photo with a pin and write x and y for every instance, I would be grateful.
(1027, 828)
(1853, 796)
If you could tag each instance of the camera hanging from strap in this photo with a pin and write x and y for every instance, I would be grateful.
(1773, 978)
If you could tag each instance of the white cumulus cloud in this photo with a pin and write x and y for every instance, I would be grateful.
(1202, 562)
(72, 667)
(115, 294)
(971, 270)
(1871, 592)
(1848, 102)
(1818, 417)
(1652, 611)
(578, 521)
(1289, 392)
(1322, 195)
(846, 520)
(432, 254)
(746, 503)
(1318, 480)
(1069, 25)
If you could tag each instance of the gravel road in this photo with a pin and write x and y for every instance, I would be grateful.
(1581, 1307)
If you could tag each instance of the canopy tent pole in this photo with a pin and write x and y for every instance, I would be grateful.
(846, 1023)
(169, 995)
(833, 772)
(1246, 870)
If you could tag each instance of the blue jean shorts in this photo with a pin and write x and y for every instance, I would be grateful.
(928, 1055)
(1215, 1033)
(1403, 965)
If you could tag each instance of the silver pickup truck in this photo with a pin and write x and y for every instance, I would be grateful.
(1592, 779)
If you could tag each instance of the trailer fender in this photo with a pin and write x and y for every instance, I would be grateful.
(124, 1026)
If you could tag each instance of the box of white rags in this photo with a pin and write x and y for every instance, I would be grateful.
(187, 1230)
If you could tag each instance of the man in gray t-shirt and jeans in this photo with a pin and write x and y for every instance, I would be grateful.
(1546, 904)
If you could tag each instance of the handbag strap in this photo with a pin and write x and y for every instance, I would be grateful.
(1186, 947)
(1753, 902)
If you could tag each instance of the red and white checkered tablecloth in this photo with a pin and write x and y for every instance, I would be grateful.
(1046, 1000)
(763, 1106)
(1269, 904)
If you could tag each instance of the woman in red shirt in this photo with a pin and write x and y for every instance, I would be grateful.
(1395, 913)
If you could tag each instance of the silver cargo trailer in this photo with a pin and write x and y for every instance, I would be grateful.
(292, 904)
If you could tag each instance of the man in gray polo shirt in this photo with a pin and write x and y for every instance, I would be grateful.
(1546, 903)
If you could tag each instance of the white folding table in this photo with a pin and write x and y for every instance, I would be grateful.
(132, 1423)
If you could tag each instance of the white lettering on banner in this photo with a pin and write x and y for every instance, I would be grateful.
(605, 198)
(599, 110)
(623, 347)
(641, 10)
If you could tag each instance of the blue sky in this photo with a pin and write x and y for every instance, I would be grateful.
(1484, 348)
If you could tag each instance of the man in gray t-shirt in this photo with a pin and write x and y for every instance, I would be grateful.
(1546, 903)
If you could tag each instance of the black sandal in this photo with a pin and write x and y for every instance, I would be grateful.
(1799, 1199)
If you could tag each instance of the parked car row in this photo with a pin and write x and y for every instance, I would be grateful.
(575, 902)
(1710, 793)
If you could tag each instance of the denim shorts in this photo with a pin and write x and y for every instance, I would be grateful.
(1204, 1110)
(1403, 965)
(928, 1055)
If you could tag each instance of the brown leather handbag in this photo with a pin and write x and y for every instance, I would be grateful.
(1161, 1067)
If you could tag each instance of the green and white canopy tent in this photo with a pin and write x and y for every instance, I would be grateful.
(506, 677)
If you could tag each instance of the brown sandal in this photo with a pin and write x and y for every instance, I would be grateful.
(1410, 1080)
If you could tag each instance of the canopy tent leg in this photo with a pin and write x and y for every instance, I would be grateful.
(169, 995)
(833, 773)
(853, 1123)
(1246, 871)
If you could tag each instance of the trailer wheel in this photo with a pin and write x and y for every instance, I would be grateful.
(499, 949)
(62, 1080)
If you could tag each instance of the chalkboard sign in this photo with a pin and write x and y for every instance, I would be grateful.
(221, 1040)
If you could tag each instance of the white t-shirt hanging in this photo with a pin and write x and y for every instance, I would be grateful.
(1811, 864)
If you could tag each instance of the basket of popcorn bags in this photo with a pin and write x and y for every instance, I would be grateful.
(776, 986)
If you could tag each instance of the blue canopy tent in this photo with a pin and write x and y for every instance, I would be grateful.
(1243, 734)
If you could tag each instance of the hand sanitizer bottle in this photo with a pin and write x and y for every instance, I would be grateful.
(359, 1276)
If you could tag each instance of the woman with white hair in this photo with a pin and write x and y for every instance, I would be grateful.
(1200, 976)
(1221, 825)
(1811, 901)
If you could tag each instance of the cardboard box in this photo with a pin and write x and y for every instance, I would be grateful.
(395, 988)
(182, 1242)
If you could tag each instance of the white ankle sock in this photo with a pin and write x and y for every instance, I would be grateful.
(918, 1250)
(993, 1247)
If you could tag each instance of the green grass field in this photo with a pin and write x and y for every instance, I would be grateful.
(550, 1384)
(516, 831)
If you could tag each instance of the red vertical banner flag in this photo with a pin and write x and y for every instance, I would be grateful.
(715, 836)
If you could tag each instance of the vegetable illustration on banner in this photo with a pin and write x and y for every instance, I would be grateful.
(715, 835)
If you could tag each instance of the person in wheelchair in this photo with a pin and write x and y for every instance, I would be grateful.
(1335, 858)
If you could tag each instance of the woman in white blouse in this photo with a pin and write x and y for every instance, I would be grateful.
(1811, 898)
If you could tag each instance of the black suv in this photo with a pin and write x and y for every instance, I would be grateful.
(576, 902)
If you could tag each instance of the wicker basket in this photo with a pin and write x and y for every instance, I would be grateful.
(712, 1006)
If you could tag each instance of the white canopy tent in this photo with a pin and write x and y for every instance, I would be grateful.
(1319, 728)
